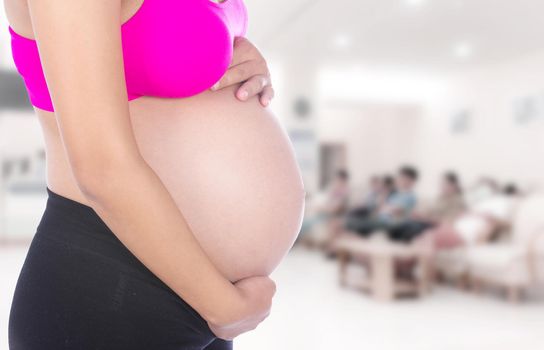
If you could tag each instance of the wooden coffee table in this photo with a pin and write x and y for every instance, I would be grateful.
(380, 255)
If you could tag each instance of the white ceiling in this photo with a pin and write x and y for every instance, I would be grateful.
(390, 32)
(393, 32)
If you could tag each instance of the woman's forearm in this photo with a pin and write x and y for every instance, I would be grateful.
(136, 206)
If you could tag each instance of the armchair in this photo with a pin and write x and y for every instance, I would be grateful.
(517, 264)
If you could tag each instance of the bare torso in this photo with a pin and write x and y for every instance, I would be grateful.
(228, 165)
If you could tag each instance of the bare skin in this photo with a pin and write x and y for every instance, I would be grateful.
(248, 66)
(101, 151)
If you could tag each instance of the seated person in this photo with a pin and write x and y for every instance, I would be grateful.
(371, 199)
(511, 189)
(397, 208)
(380, 190)
(484, 188)
(332, 204)
(387, 191)
(448, 205)
(476, 224)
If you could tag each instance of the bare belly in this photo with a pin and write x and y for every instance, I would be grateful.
(232, 172)
(228, 165)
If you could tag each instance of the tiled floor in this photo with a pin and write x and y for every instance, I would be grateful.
(312, 312)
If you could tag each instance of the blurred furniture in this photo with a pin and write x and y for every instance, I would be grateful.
(13, 94)
(453, 264)
(381, 255)
(516, 264)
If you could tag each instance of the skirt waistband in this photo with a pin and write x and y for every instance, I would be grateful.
(66, 211)
(77, 226)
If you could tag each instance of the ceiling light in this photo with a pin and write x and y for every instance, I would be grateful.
(342, 41)
(462, 50)
(414, 2)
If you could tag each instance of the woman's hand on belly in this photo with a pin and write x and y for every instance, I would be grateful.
(248, 67)
(256, 294)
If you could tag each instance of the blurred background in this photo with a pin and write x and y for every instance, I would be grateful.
(419, 128)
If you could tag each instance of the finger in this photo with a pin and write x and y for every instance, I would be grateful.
(271, 284)
(227, 336)
(254, 86)
(264, 318)
(267, 95)
(240, 73)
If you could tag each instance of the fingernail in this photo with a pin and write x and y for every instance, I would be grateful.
(243, 95)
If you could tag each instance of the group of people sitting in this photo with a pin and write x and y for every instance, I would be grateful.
(388, 206)
(454, 218)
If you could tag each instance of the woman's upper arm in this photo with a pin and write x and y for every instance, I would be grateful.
(81, 53)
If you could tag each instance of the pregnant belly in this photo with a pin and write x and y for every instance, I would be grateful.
(231, 170)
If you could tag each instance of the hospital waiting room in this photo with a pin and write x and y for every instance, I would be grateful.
(418, 130)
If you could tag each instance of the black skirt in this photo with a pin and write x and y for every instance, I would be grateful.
(81, 288)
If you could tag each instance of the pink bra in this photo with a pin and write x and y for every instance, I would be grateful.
(171, 48)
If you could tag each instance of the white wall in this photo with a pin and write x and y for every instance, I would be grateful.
(378, 113)
(20, 134)
(379, 137)
(494, 144)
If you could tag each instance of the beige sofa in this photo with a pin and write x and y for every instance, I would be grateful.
(516, 264)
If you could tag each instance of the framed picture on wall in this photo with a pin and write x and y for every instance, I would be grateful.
(527, 109)
(460, 121)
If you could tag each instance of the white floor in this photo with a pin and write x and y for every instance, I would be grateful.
(312, 312)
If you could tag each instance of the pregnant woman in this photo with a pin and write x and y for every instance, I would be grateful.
(169, 204)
